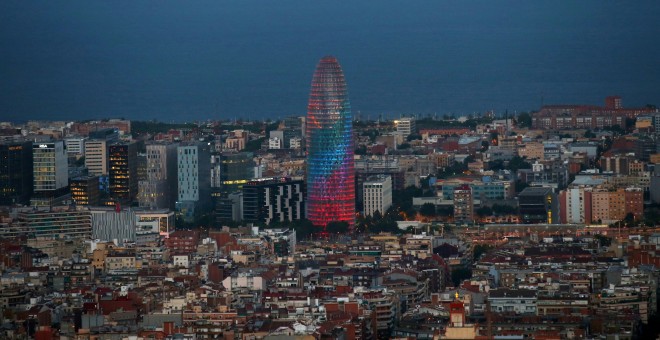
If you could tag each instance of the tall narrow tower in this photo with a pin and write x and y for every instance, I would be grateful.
(330, 165)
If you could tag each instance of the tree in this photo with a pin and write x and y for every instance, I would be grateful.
(484, 211)
(427, 209)
(503, 209)
(589, 134)
(414, 136)
(524, 120)
(458, 275)
(337, 227)
(517, 163)
(479, 250)
(603, 241)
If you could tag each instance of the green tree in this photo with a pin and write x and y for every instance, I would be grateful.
(458, 275)
(479, 250)
(604, 241)
(518, 162)
(524, 120)
(589, 134)
(337, 227)
(484, 211)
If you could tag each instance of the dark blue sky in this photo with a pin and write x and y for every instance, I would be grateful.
(172, 60)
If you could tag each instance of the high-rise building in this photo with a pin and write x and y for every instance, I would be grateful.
(15, 172)
(377, 194)
(194, 179)
(330, 164)
(50, 169)
(122, 171)
(96, 157)
(273, 200)
(463, 204)
(158, 189)
(236, 169)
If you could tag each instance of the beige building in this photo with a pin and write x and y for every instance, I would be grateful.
(96, 157)
(531, 150)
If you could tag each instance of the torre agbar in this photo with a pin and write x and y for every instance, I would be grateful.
(330, 164)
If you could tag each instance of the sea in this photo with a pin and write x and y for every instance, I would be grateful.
(175, 61)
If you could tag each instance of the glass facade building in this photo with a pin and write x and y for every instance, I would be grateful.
(330, 147)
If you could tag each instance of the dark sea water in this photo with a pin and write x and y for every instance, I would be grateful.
(180, 60)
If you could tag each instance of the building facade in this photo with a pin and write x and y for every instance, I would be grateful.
(122, 171)
(15, 172)
(158, 189)
(85, 190)
(96, 157)
(377, 194)
(194, 178)
(463, 204)
(330, 164)
(50, 169)
(268, 200)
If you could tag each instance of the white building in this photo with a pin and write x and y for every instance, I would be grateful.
(75, 146)
(193, 172)
(50, 167)
(274, 143)
(194, 179)
(377, 192)
(575, 206)
(405, 126)
(518, 301)
(295, 143)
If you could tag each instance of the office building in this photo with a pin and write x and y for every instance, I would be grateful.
(158, 188)
(377, 193)
(122, 172)
(50, 223)
(15, 172)
(96, 157)
(405, 126)
(75, 146)
(49, 170)
(268, 200)
(85, 190)
(538, 205)
(194, 179)
(330, 164)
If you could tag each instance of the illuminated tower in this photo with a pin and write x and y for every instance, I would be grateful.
(330, 165)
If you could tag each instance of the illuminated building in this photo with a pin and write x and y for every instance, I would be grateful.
(85, 190)
(15, 172)
(329, 132)
(49, 171)
(122, 170)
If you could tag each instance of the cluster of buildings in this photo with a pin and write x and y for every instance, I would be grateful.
(195, 232)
